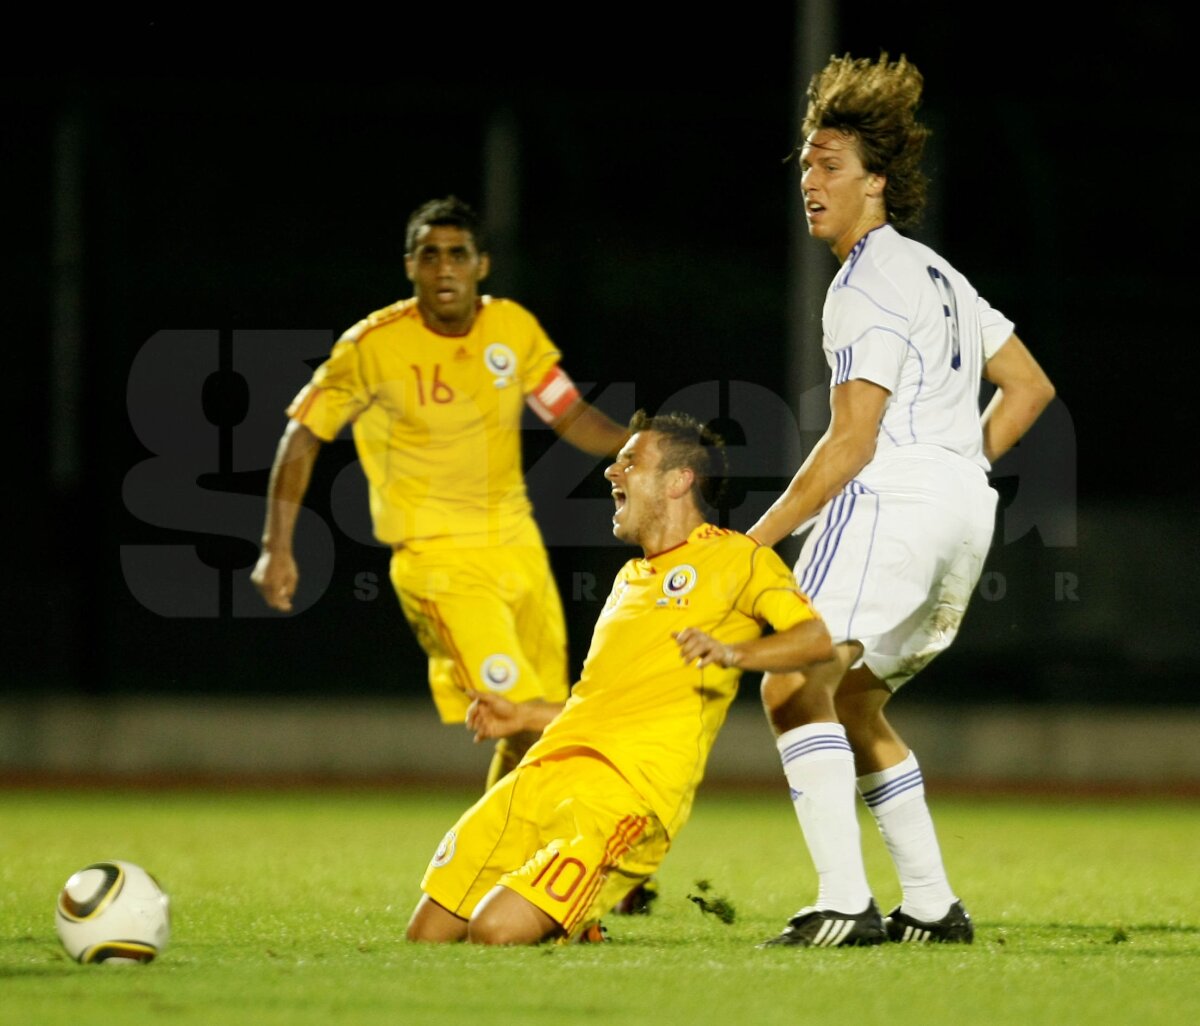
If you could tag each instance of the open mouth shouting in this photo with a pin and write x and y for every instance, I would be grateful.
(618, 496)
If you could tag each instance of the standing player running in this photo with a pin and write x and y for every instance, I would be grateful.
(435, 387)
(899, 493)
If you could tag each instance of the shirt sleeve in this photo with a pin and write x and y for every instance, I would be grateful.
(864, 340)
(542, 354)
(994, 326)
(773, 596)
(336, 394)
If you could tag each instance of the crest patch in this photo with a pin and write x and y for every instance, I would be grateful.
(445, 850)
(499, 672)
(679, 580)
(502, 362)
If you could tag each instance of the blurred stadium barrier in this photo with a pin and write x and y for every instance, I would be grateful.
(271, 739)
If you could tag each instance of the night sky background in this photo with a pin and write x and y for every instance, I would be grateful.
(241, 199)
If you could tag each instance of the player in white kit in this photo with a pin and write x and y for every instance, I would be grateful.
(897, 497)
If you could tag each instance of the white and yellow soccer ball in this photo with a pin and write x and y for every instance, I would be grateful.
(113, 912)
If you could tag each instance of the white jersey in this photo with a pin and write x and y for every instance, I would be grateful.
(893, 559)
(899, 315)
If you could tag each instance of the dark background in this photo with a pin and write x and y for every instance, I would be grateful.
(235, 197)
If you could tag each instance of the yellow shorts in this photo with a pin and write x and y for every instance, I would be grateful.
(567, 833)
(488, 619)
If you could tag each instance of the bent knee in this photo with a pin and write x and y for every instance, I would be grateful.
(861, 701)
(487, 933)
(416, 933)
(856, 709)
(790, 700)
(424, 933)
(497, 932)
(777, 689)
(505, 917)
(432, 923)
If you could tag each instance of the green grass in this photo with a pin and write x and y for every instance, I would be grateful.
(290, 907)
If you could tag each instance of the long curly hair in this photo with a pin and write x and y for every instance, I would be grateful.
(876, 103)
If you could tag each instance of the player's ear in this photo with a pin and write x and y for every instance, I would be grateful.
(485, 265)
(682, 479)
(409, 266)
(876, 183)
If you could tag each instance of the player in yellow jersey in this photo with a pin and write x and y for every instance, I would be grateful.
(594, 805)
(434, 388)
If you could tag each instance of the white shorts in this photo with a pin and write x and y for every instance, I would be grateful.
(893, 559)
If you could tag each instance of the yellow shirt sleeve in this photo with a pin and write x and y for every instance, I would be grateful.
(336, 394)
(772, 597)
(542, 355)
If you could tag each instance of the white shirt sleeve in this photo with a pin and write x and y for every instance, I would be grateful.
(864, 339)
(994, 326)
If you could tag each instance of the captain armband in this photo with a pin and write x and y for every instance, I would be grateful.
(554, 395)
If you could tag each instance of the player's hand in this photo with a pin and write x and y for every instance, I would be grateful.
(490, 715)
(703, 649)
(275, 576)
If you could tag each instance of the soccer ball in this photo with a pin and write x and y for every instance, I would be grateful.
(113, 912)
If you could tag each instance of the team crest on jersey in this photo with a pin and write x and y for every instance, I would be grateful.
(445, 851)
(498, 672)
(502, 362)
(679, 580)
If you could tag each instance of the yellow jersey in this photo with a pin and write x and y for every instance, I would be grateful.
(637, 703)
(436, 419)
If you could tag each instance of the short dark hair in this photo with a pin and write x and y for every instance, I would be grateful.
(685, 442)
(450, 211)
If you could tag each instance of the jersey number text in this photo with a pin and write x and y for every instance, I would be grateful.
(439, 391)
(950, 309)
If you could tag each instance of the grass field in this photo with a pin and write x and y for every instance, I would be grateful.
(289, 908)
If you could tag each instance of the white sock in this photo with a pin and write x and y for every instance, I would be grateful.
(819, 767)
(896, 798)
